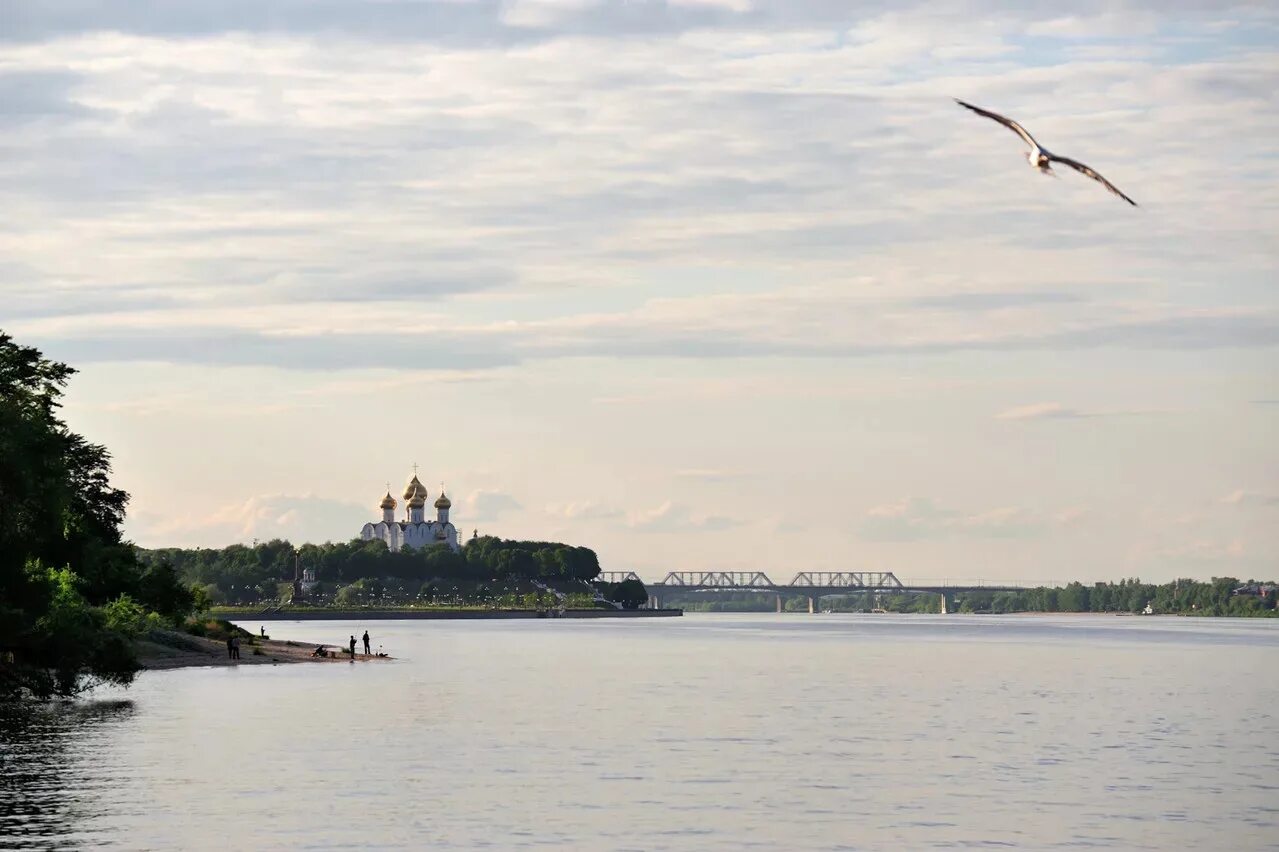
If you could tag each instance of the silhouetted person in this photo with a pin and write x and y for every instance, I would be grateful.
(230, 647)
(352, 647)
(366, 643)
(235, 647)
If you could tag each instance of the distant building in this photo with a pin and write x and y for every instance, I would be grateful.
(415, 530)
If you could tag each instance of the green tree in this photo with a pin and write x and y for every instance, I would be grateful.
(64, 625)
(631, 594)
(1073, 598)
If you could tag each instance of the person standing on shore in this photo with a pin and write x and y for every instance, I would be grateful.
(235, 647)
(366, 643)
(230, 647)
(352, 648)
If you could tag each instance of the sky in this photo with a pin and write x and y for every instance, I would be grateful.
(700, 284)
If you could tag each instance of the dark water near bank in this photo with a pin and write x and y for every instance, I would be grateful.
(706, 732)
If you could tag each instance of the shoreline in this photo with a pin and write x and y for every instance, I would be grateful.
(168, 650)
(436, 615)
(181, 651)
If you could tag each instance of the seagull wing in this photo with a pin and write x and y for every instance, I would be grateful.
(1085, 170)
(1006, 122)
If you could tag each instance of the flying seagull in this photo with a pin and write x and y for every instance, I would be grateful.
(1040, 157)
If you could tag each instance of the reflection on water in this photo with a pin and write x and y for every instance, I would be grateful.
(51, 771)
(707, 732)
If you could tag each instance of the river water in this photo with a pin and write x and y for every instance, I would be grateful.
(705, 732)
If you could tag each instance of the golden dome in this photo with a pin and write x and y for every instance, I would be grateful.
(443, 502)
(414, 489)
(388, 502)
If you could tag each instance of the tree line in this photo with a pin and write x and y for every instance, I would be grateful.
(1219, 596)
(73, 594)
(249, 573)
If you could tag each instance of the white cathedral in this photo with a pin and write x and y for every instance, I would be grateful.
(414, 531)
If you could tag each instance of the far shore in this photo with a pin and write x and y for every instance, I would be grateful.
(432, 614)
(182, 651)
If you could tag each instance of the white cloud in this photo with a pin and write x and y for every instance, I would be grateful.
(708, 474)
(672, 517)
(916, 518)
(484, 506)
(1057, 411)
(1241, 497)
(1125, 24)
(1071, 515)
(298, 518)
(1204, 550)
(1039, 411)
(729, 5)
(585, 510)
(544, 13)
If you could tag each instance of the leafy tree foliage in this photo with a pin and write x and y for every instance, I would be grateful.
(631, 594)
(502, 558)
(61, 554)
(1219, 596)
(249, 573)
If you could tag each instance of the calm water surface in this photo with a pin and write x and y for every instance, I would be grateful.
(706, 732)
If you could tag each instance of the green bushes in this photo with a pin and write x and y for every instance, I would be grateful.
(69, 645)
(215, 628)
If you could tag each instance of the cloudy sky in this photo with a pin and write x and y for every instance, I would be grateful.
(698, 283)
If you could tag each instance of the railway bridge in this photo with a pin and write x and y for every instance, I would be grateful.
(812, 584)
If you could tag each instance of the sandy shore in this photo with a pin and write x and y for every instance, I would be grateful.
(176, 651)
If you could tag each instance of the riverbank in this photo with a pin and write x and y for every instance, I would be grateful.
(170, 650)
(432, 614)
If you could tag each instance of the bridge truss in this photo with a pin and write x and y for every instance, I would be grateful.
(846, 580)
(803, 581)
(617, 577)
(719, 580)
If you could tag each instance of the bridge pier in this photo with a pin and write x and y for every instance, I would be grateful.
(813, 604)
(947, 602)
(870, 600)
(779, 602)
